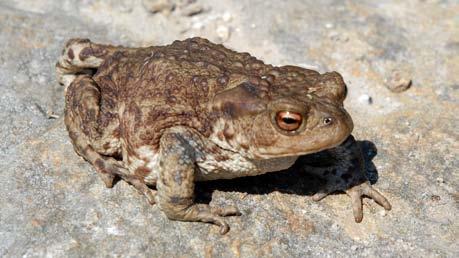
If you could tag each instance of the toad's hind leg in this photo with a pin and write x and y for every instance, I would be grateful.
(81, 56)
(99, 145)
(96, 145)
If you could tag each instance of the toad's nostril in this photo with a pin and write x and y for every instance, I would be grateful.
(328, 120)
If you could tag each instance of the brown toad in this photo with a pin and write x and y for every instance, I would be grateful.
(168, 116)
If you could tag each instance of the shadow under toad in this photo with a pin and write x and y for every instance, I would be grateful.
(290, 181)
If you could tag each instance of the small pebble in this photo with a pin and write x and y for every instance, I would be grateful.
(398, 82)
(367, 99)
(192, 9)
(197, 25)
(226, 17)
(223, 32)
(435, 198)
(440, 180)
(155, 6)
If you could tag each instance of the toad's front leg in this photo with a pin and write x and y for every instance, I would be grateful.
(343, 169)
(175, 184)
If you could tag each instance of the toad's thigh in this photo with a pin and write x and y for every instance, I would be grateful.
(87, 125)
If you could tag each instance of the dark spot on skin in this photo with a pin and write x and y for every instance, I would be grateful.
(71, 54)
(107, 118)
(214, 149)
(116, 133)
(222, 80)
(244, 146)
(100, 164)
(204, 84)
(73, 135)
(106, 146)
(85, 53)
(109, 103)
(229, 109)
(142, 172)
(86, 128)
(93, 50)
(221, 158)
(91, 115)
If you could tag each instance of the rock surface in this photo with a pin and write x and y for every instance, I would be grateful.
(53, 203)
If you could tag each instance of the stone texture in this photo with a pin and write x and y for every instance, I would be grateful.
(53, 203)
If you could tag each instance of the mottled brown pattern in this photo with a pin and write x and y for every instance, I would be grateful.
(71, 54)
(194, 110)
(142, 172)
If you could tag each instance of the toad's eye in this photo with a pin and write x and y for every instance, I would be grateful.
(289, 121)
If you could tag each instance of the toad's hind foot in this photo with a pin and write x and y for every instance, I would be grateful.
(80, 56)
(204, 213)
(109, 168)
(140, 185)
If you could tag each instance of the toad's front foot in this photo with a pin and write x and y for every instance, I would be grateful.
(345, 172)
(356, 193)
(202, 213)
(365, 189)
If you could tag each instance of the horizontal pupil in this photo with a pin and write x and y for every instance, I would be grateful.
(289, 120)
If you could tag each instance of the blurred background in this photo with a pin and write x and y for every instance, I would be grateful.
(400, 60)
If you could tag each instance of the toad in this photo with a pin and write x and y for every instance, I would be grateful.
(163, 117)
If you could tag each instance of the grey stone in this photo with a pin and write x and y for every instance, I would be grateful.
(53, 203)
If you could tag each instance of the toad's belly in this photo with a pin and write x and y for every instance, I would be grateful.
(211, 167)
(238, 166)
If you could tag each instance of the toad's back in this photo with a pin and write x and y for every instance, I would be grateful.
(155, 88)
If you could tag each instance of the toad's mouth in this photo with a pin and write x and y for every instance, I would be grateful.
(285, 152)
